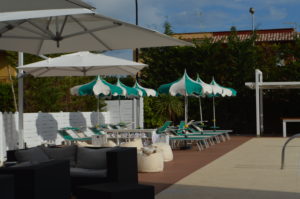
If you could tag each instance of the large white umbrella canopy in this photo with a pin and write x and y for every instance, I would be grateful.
(29, 9)
(72, 33)
(82, 64)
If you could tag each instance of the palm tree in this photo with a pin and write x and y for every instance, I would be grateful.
(168, 107)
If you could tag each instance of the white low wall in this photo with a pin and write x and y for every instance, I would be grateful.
(42, 127)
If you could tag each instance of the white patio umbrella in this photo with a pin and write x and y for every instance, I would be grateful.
(71, 33)
(82, 64)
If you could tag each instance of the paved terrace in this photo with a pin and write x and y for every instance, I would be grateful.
(241, 168)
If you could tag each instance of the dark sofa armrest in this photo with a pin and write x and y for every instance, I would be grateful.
(45, 180)
(122, 165)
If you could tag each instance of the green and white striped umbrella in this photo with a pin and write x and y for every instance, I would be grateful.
(145, 92)
(128, 92)
(219, 91)
(185, 86)
(98, 87)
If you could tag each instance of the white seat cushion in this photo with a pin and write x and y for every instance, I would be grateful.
(165, 149)
(150, 163)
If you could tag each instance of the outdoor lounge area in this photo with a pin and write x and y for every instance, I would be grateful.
(134, 99)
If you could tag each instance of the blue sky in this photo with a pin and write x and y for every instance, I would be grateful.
(203, 15)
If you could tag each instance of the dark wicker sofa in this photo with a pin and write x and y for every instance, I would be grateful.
(87, 165)
(45, 180)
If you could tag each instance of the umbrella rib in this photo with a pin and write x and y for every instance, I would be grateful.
(42, 40)
(121, 68)
(63, 25)
(86, 30)
(9, 26)
(43, 72)
(104, 67)
(100, 41)
(49, 22)
(92, 34)
(86, 69)
(40, 47)
(48, 32)
(36, 71)
(28, 30)
(21, 37)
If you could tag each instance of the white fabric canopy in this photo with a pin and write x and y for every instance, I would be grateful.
(82, 64)
(28, 9)
(74, 33)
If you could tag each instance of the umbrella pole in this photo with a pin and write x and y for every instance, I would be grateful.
(214, 112)
(138, 112)
(21, 102)
(133, 113)
(186, 108)
(120, 110)
(200, 106)
(98, 111)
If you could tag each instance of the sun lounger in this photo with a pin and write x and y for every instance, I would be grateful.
(218, 134)
(179, 135)
(65, 133)
(201, 141)
(183, 131)
(164, 127)
(95, 131)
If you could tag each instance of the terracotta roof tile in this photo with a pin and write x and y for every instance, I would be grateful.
(268, 35)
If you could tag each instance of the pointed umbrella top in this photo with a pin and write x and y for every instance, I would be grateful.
(206, 88)
(221, 90)
(127, 91)
(217, 90)
(145, 91)
(184, 86)
(98, 87)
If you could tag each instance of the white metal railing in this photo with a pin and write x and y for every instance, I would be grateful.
(283, 149)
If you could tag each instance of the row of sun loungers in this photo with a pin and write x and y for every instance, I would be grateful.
(180, 136)
(75, 135)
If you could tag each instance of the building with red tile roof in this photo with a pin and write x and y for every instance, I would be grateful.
(267, 35)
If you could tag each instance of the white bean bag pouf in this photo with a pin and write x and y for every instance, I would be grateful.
(166, 150)
(135, 143)
(150, 163)
(109, 143)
